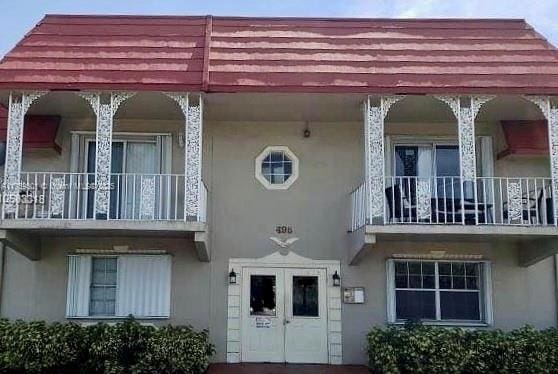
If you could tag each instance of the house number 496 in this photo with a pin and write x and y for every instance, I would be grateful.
(284, 230)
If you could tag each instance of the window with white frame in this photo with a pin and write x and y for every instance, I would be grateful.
(439, 291)
(277, 167)
(113, 286)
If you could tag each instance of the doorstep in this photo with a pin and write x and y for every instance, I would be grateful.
(285, 369)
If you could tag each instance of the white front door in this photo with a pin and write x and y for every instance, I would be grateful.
(284, 315)
(305, 316)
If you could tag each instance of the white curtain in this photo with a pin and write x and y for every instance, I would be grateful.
(141, 158)
(424, 163)
(79, 283)
(144, 283)
(424, 182)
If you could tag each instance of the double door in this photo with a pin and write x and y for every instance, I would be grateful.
(284, 315)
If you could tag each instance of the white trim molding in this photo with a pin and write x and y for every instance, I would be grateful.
(263, 180)
(288, 260)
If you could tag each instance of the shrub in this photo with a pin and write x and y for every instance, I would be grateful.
(427, 349)
(127, 347)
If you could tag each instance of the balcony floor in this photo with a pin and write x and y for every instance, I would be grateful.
(535, 242)
(460, 232)
(24, 235)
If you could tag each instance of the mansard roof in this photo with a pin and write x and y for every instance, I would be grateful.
(233, 54)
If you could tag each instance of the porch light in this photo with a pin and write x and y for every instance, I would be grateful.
(336, 279)
(232, 277)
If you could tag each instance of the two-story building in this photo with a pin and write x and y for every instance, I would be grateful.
(286, 183)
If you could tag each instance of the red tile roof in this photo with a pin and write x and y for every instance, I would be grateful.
(230, 54)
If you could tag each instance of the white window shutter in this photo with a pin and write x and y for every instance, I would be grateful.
(79, 283)
(143, 286)
(487, 286)
(485, 150)
(390, 291)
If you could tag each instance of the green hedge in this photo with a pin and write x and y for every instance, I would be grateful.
(427, 349)
(127, 347)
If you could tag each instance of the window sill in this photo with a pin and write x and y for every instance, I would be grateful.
(445, 323)
(116, 318)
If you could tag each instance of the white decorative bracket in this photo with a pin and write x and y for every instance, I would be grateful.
(105, 112)
(374, 118)
(551, 114)
(465, 116)
(18, 107)
(193, 128)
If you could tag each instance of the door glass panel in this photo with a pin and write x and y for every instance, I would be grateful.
(305, 296)
(116, 167)
(262, 295)
(447, 171)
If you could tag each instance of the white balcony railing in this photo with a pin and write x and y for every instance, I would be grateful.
(450, 200)
(71, 196)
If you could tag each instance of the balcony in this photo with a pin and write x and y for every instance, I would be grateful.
(47, 203)
(517, 211)
(57, 196)
(130, 164)
(454, 169)
(489, 201)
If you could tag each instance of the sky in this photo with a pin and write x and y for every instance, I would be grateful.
(18, 16)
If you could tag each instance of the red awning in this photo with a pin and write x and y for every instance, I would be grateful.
(526, 137)
(39, 131)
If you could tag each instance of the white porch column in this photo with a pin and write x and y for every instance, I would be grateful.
(18, 106)
(465, 115)
(105, 108)
(374, 117)
(193, 130)
(551, 114)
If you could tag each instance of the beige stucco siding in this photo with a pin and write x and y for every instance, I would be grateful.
(37, 290)
(242, 217)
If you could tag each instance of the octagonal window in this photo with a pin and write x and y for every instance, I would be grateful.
(277, 167)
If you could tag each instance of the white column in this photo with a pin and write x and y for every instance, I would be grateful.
(551, 114)
(18, 106)
(374, 117)
(105, 111)
(465, 116)
(193, 130)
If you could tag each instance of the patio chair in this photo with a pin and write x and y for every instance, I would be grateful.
(531, 209)
(400, 207)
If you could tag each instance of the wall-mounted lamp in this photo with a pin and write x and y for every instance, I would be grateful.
(336, 279)
(306, 132)
(232, 277)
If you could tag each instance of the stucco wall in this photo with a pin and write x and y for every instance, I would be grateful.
(37, 289)
(243, 215)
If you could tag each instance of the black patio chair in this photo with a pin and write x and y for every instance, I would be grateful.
(531, 209)
(400, 207)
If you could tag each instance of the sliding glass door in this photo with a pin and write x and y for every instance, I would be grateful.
(134, 163)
